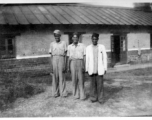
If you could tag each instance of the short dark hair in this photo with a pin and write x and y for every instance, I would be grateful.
(75, 33)
(57, 34)
(95, 35)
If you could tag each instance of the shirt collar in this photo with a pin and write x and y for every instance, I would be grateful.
(95, 46)
(58, 42)
(77, 44)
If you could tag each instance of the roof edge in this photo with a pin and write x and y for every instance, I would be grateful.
(66, 4)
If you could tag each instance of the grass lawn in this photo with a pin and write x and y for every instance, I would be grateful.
(28, 94)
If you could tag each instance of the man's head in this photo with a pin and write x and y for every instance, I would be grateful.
(75, 38)
(57, 35)
(95, 38)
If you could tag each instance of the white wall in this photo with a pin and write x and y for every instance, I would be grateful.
(86, 39)
(138, 41)
(103, 39)
(34, 44)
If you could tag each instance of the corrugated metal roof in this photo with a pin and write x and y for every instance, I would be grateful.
(72, 14)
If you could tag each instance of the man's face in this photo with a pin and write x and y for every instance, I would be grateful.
(94, 40)
(75, 39)
(57, 37)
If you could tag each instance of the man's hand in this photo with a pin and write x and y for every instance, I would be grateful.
(51, 65)
(68, 69)
(51, 72)
(105, 72)
(83, 69)
(64, 68)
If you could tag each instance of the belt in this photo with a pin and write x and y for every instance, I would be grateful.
(59, 55)
(75, 59)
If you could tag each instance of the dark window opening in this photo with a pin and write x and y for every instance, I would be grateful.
(117, 48)
(7, 47)
(70, 38)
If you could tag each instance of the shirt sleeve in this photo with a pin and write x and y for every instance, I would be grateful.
(84, 49)
(87, 59)
(105, 58)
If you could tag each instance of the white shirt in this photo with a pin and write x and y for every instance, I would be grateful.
(58, 48)
(76, 52)
(95, 58)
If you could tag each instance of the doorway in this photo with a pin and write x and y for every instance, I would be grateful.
(118, 49)
(115, 48)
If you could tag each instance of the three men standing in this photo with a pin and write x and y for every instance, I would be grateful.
(93, 59)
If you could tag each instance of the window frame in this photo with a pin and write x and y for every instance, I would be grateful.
(7, 55)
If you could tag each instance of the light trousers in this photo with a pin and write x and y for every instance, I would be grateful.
(58, 82)
(76, 67)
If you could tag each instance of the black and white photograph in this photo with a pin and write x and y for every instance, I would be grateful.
(75, 58)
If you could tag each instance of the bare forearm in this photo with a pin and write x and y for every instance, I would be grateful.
(68, 62)
(51, 63)
(65, 61)
(84, 62)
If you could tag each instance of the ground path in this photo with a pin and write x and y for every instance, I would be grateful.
(123, 98)
(130, 96)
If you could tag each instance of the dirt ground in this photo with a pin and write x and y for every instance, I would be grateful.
(126, 94)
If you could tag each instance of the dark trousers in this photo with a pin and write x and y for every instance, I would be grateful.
(96, 88)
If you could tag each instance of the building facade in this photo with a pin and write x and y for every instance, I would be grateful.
(27, 31)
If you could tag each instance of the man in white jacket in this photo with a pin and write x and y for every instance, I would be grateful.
(96, 66)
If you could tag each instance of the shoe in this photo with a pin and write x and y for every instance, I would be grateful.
(102, 101)
(75, 98)
(64, 96)
(56, 96)
(83, 99)
(92, 101)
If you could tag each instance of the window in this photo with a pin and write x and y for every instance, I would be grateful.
(7, 48)
(70, 38)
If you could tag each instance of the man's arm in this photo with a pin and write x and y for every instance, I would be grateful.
(84, 62)
(51, 58)
(68, 64)
(65, 61)
(84, 59)
(51, 63)
(105, 59)
(68, 59)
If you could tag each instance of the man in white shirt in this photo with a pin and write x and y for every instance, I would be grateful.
(96, 66)
(58, 51)
(76, 57)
